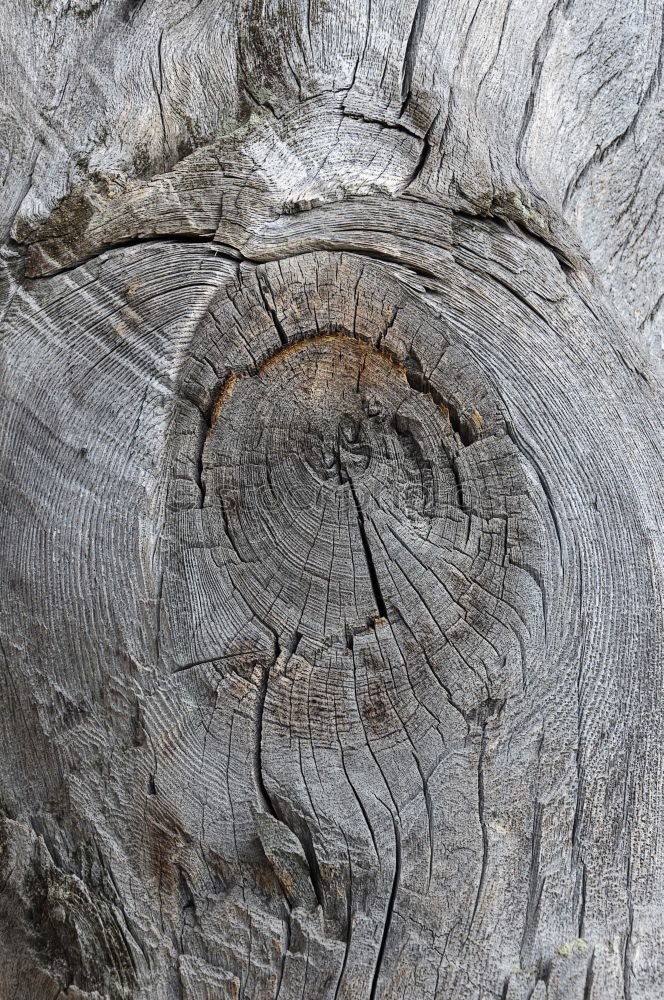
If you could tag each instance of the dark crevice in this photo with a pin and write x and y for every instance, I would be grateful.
(459, 426)
(410, 56)
(188, 913)
(131, 242)
(293, 646)
(163, 122)
(307, 842)
(627, 950)
(542, 974)
(417, 380)
(430, 819)
(521, 229)
(422, 158)
(213, 661)
(208, 419)
(584, 895)
(588, 986)
(348, 939)
(57, 858)
(492, 276)
(284, 953)
(539, 53)
(362, 807)
(579, 806)
(258, 747)
(352, 633)
(390, 910)
(394, 126)
(159, 92)
(272, 312)
(385, 257)
(201, 484)
(304, 836)
(481, 810)
(633, 368)
(454, 467)
(501, 217)
(131, 7)
(255, 102)
(373, 575)
(535, 884)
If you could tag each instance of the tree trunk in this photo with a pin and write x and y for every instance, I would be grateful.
(332, 501)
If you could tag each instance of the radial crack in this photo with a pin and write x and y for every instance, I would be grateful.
(368, 555)
(390, 910)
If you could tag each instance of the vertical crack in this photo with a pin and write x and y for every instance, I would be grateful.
(410, 56)
(314, 871)
(535, 884)
(258, 749)
(262, 695)
(371, 566)
(304, 836)
(272, 312)
(349, 933)
(285, 950)
(429, 807)
(588, 987)
(390, 909)
(424, 155)
(627, 951)
(481, 809)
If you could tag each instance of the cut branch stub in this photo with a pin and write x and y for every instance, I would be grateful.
(313, 460)
(336, 472)
(347, 483)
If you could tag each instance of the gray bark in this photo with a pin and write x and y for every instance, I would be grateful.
(332, 531)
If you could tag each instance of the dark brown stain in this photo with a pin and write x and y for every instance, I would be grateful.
(224, 394)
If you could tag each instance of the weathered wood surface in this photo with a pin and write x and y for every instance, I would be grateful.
(332, 533)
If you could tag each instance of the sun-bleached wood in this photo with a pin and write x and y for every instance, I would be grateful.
(332, 492)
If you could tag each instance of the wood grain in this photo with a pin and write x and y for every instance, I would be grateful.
(332, 532)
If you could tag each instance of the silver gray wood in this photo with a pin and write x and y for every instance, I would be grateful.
(332, 501)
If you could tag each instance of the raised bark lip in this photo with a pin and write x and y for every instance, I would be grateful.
(84, 223)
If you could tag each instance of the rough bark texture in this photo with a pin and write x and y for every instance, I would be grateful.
(332, 532)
